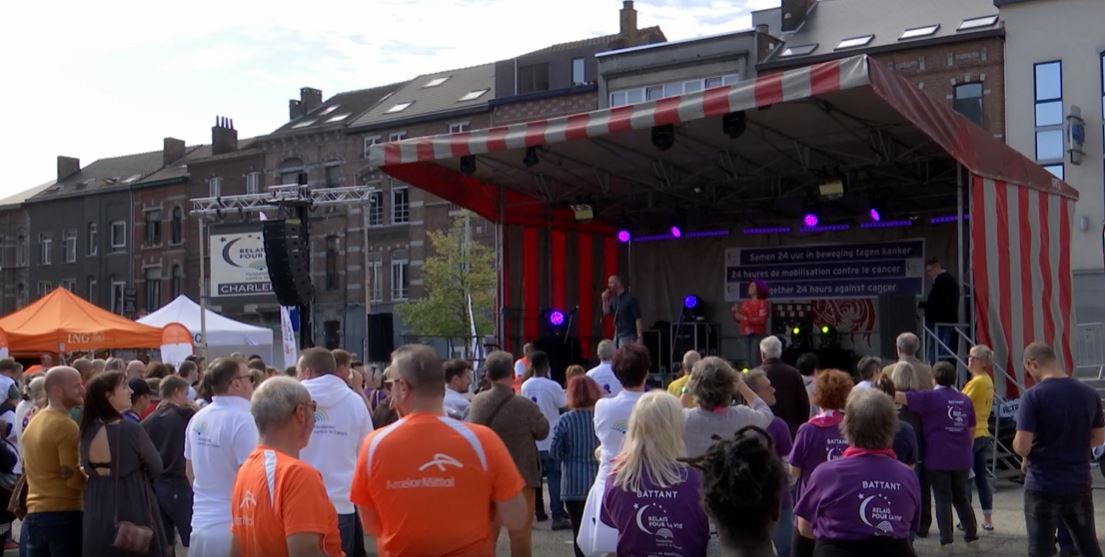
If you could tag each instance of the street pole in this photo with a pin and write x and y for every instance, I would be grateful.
(367, 282)
(203, 289)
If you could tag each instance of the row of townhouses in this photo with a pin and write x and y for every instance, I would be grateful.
(120, 233)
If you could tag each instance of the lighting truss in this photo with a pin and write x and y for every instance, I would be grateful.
(280, 196)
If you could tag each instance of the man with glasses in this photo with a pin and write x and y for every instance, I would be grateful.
(217, 441)
(279, 503)
(429, 484)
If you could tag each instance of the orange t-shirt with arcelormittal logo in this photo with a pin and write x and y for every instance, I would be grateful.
(276, 496)
(432, 482)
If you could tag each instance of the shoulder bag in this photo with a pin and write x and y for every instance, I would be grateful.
(128, 535)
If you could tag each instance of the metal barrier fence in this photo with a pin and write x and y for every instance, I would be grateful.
(1089, 350)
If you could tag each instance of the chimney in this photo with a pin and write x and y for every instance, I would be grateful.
(310, 98)
(295, 110)
(794, 13)
(762, 28)
(224, 138)
(628, 20)
(172, 150)
(68, 166)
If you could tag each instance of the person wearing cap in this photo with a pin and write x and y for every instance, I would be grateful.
(139, 399)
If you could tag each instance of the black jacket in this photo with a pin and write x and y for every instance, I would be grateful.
(792, 403)
(942, 305)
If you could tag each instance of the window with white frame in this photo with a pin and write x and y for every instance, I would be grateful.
(459, 127)
(118, 235)
(397, 136)
(45, 246)
(1048, 92)
(176, 280)
(69, 284)
(118, 291)
(91, 285)
(376, 208)
(579, 71)
(152, 276)
(652, 92)
(70, 240)
(214, 186)
(369, 141)
(332, 173)
(153, 227)
(375, 278)
(44, 287)
(93, 239)
(400, 205)
(400, 267)
(967, 100)
(253, 182)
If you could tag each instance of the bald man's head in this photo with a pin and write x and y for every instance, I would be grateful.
(691, 358)
(64, 389)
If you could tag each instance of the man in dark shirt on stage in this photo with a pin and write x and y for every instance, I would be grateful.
(942, 306)
(627, 316)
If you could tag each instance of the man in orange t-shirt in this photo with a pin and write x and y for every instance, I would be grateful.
(428, 484)
(279, 504)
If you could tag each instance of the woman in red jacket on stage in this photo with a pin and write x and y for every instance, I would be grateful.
(751, 317)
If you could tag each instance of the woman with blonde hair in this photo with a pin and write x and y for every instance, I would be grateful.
(907, 380)
(652, 497)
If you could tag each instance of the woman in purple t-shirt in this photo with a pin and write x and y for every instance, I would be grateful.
(652, 497)
(866, 502)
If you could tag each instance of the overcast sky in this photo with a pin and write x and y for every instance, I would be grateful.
(97, 79)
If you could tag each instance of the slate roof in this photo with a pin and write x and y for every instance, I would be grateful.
(832, 21)
(651, 34)
(440, 99)
(337, 112)
(107, 174)
(18, 198)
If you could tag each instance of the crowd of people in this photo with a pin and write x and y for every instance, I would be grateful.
(234, 458)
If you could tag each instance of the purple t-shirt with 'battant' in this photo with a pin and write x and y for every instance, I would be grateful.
(817, 441)
(661, 521)
(861, 497)
(948, 420)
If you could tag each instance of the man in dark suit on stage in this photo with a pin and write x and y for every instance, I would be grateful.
(942, 306)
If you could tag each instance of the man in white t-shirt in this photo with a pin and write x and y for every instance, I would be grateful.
(548, 395)
(521, 364)
(458, 379)
(216, 442)
(603, 374)
(341, 424)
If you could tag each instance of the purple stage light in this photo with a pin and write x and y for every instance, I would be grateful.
(767, 230)
(556, 318)
(624, 236)
(676, 232)
(690, 301)
(874, 215)
(887, 224)
(810, 220)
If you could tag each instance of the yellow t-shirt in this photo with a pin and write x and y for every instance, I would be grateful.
(50, 462)
(980, 389)
(675, 388)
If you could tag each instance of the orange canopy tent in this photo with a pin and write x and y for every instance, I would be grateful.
(62, 322)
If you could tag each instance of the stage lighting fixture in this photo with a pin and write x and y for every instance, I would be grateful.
(583, 212)
(624, 236)
(825, 329)
(810, 220)
(675, 231)
(733, 124)
(556, 318)
(874, 215)
(663, 137)
(690, 301)
(796, 331)
(468, 164)
(832, 189)
(531, 160)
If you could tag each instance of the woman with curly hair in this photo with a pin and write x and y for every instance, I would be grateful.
(737, 478)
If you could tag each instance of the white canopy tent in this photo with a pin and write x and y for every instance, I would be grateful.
(224, 335)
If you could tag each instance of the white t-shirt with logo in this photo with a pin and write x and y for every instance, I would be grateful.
(611, 423)
(603, 374)
(548, 395)
(216, 442)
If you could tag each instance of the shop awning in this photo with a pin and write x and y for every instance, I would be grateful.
(788, 131)
(63, 322)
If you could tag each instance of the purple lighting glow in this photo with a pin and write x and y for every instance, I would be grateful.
(810, 220)
(767, 230)
(690, 301)
(887, 224)
(874, 215)
(556, 318)
(676, 232)
(624, 236)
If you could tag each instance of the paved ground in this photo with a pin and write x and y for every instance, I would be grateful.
(1008, 539)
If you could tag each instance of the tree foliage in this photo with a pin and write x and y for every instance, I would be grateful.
(457, 268)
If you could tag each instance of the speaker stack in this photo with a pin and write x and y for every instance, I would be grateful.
(288, 260)
(381, 337)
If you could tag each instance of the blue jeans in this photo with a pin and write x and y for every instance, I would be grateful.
(947, 335)
(983, 451)
(1044, 512)
(352, 535)
(550, 469)
(783, 531)
(51, 534)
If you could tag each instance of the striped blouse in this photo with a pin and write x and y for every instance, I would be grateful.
(574, 445)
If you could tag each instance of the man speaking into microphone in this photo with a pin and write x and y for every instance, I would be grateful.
(627, 316)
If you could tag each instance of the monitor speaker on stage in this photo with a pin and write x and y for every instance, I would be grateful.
(381, 337)
(897, 315)
(288, 260)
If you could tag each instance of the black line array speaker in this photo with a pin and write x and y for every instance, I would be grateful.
(381, 337)
(897, 315)
(288, 260)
